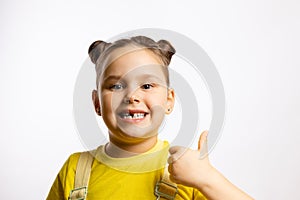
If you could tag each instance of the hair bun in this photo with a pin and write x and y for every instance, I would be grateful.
(96, 49)
(166, 48)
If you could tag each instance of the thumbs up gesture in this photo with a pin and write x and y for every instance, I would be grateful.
(190, 167)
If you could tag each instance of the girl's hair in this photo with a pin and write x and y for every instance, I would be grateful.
(100, 51)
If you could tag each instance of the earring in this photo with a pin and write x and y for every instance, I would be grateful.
(98, 110)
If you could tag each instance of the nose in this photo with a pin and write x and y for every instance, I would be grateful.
(132, 97)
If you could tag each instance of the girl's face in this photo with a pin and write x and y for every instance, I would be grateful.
(134, 96)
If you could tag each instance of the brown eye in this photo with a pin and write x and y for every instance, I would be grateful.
(147, 86)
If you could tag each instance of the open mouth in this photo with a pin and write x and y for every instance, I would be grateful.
(133, 115)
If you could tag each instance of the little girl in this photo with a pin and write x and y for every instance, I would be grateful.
(133, 96)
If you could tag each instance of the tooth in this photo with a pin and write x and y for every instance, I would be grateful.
(138, 115)
(133, 116)
(126, 116)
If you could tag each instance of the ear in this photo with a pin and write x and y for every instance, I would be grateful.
(96, 102)
(170, 101)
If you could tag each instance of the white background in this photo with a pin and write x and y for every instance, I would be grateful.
(254, 44)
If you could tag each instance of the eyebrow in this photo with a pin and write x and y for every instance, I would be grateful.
(144, 76)
(114, 77)
(150, 76)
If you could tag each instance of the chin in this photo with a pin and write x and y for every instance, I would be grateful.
(136, 132)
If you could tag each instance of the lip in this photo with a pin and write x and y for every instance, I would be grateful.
(131, 112)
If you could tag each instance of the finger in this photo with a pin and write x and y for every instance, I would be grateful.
(170, 168)
(170, 160)
(172, 178)
(175, 153)
(174, 149)
(202, 139)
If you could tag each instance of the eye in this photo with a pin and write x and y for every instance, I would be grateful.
(117, 86)
(147, 86)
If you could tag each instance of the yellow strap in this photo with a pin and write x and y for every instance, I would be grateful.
(83, 170)
(166, 189)
(82, 175)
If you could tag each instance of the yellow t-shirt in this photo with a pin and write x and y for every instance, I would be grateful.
(130, 178)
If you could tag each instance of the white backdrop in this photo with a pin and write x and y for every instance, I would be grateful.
(254, 44)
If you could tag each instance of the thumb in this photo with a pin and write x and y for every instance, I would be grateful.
(202, 144)
(202, 139)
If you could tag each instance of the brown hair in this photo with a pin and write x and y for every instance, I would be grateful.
(99, 51)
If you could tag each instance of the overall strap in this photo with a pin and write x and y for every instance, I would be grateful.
(82, 176)
(165, 188)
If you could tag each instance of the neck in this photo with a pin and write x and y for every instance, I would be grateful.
(118, 149)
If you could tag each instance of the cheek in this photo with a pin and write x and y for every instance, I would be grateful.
(105, 102)
(111, 101)
(157, 100)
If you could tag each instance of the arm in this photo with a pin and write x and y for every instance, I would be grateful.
(192, 168)
(218, 187)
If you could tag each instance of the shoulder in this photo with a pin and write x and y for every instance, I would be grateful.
(71, 162)
(73, 159)
(67, 172)
(65, 178)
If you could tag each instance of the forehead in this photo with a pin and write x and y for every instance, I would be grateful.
(134, 63)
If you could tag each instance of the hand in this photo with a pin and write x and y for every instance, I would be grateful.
(190, 167)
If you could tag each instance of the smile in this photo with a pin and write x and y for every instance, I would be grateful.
(133, 115)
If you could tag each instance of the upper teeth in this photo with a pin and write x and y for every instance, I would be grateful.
(133, 116)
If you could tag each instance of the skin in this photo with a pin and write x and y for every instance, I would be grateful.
(133, 82)
(184, 164)
(136, 82)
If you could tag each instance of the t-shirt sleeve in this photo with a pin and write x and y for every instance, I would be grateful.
(64, 180)
(197, 195)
